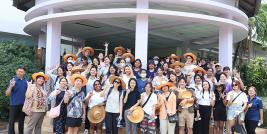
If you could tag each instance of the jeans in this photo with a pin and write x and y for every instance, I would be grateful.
(15, 113)
(129, 125)
(111, 123)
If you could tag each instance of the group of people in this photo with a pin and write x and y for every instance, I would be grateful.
(105, 92)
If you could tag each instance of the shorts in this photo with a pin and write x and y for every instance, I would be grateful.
(232, 112)
(186, 117)
(73, 122)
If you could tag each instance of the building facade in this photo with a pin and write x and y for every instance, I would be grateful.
(147, 27)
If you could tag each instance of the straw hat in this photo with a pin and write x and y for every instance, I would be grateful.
(218, 64)
(119, 48)
(66, 56)
(128, 55)
(112, 78)
(92, 51)
(35, 75)
(194, 57)
(76, 76)
(137, 115)
(76, 69)
(96, 114)
(174, 56)
(186, 95)
(163, 84)
(197, 69)
(177, 63)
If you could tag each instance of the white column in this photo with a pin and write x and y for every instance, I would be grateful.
(141, 34)
(226, 46)
(53, 37)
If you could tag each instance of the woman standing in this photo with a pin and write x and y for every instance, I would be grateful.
(148, 102)
(237, 103)
(190, 63)
(206, 102)
(254, 115)
(38, 94)
(56, 97)
(94, 98)
(137, 68)
(112, 71)
(141, 82)
(131, 100)
(105, 67)
(74, 100)
(114, 104)
(92, 77)
(219, 110)
(56, 74)
(159, 78)
(167, 104)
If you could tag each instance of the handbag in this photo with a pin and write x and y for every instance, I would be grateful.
(27, 106)
(172, 118)
(55, 111)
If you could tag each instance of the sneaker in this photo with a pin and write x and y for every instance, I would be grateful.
(86, 131)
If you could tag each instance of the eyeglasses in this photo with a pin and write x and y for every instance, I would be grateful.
(235, 85)
(117, 82)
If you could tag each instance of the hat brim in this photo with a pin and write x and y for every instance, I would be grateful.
(78, 76)
(94, 109)
(174, 57)
(199, 69)
(35, 75)
(169, 84)
(194, 57)
(119, 48)
(139, 118)
(177, 64)
(92, 51)
(128, 55)
(66, 56)
(112, 78)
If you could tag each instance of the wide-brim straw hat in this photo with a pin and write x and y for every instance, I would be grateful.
(197, 69)
(218, 64)
(78, 76)
(174, 56)
(137, 115)
(77, 69)
(163, 84)
(112, 78)
(66, 56)
(96, 114)
(128, 55)
(177, 63)
(92, 51)
(35, 75)
(186, 95)
(194, 57)
(119, 48)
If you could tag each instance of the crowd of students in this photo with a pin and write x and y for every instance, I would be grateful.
(105, 92)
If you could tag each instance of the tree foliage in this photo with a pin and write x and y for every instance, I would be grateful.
(12, 55)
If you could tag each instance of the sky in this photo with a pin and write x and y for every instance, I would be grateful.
(11, 19)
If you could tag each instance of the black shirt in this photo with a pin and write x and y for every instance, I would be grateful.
(133, 97)
(217, 76)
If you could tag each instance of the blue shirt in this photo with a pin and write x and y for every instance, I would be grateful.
(17, 96)
(253, 112)
(141, 85)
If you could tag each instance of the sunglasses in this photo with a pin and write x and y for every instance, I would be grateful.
(235, 85)
(117, 82)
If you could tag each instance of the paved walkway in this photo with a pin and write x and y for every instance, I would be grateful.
(48, 129)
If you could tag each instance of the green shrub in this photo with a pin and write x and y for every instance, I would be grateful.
(12, 55)
(255, 74)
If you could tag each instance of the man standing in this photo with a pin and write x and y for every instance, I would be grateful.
(16, 90)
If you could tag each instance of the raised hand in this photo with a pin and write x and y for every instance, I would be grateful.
(12, 83)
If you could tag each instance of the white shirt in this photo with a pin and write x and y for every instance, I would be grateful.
(240, 100)
(206, 98)
(126, 79)
(197, 89)
(188, 68)
(95, 99)
(113, 102)
(148, 108)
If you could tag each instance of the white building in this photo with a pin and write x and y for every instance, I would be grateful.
(148, 27)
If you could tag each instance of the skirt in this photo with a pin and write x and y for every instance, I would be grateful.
(73, 122)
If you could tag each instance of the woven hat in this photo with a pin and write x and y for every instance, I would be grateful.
(76, 76)
(186, 95)
(128, 55)
(76, 69)
(177, 63)
(119, 48)
(163, 84)
(96, 114)
(174, 56)
(66, 56)
(35, 75)
(194, 57)
(112, 78)
(137, 115)
(92, 51)
(197, 69)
